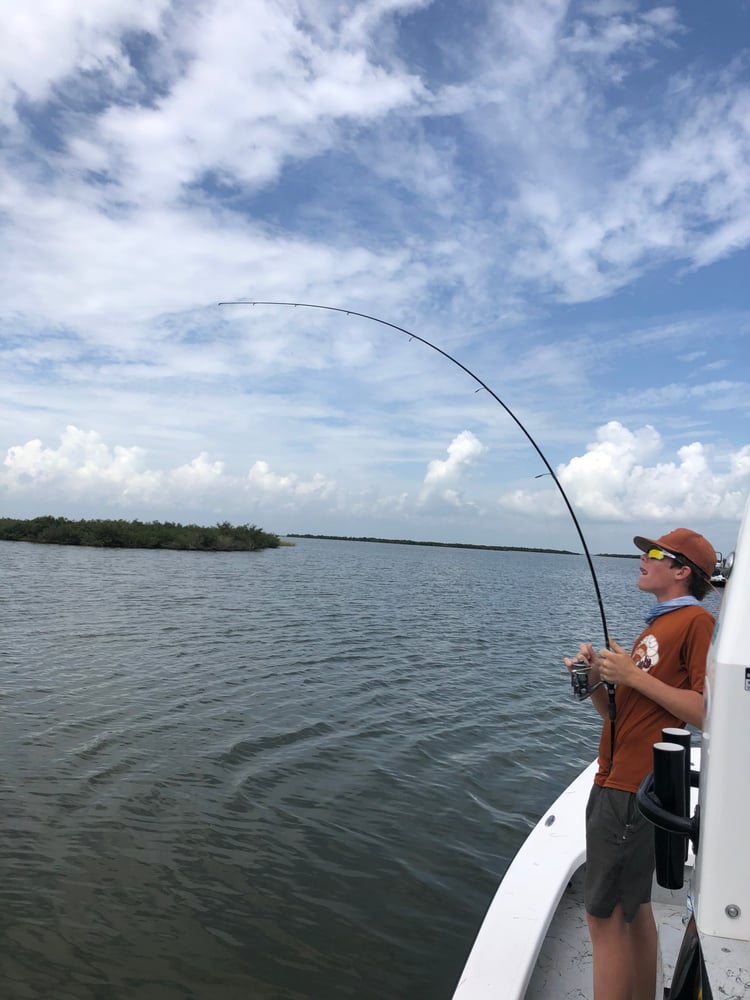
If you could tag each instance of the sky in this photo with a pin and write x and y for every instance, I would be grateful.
(556, 195)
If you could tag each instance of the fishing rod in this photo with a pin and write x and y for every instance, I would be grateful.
(578, 677)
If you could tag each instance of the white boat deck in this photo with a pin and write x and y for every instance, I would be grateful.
(564, 967)
(564, 970)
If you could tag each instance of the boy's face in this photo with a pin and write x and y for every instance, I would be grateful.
(657, 575)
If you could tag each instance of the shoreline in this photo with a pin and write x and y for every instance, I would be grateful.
(459, 545)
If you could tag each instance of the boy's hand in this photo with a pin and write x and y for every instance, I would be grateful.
(616, 666)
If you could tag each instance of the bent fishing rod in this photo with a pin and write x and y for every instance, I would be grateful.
(583, 691)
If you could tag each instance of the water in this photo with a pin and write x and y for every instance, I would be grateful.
(289, 774)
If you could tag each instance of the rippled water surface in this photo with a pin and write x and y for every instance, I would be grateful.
(297, 773)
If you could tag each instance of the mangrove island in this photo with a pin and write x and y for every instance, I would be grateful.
(224, 537)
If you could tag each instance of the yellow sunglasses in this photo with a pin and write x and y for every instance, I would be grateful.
(660, 554)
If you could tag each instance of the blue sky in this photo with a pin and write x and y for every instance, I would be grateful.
(557, 194)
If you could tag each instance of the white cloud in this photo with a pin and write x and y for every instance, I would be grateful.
(622, 477)
(253, 92)
(599, 194)
(50, 41)
(83, 465)
(246, 96)
(443, 477)
(200, 473)
(683, 196)
(614, 34)
(289, 486)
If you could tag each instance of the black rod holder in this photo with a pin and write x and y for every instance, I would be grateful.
(670, 790)
(682, 736)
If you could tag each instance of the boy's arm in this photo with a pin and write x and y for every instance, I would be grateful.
(617, 667)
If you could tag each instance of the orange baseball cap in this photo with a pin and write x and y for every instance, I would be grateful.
(693, 547)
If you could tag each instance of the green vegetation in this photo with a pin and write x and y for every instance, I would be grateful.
(445, 545)
(224, 537)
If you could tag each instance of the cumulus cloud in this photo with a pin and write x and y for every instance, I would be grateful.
(443, 477)
(625, 476)
(271, 484)
(85, 466)
(82, 463)
(200, 473)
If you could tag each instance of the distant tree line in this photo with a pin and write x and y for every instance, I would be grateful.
(225, 537)
(445, 545)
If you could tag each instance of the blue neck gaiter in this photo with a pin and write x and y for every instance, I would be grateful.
(664, 607)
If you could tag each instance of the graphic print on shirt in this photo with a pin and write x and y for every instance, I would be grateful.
(646, 653)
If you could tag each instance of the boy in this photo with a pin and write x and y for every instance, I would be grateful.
(660, 684)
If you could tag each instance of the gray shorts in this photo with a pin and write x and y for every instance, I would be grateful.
(619, 854)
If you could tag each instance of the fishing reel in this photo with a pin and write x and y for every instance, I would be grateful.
(579, 680)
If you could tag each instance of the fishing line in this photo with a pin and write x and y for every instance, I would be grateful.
(511, 414)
